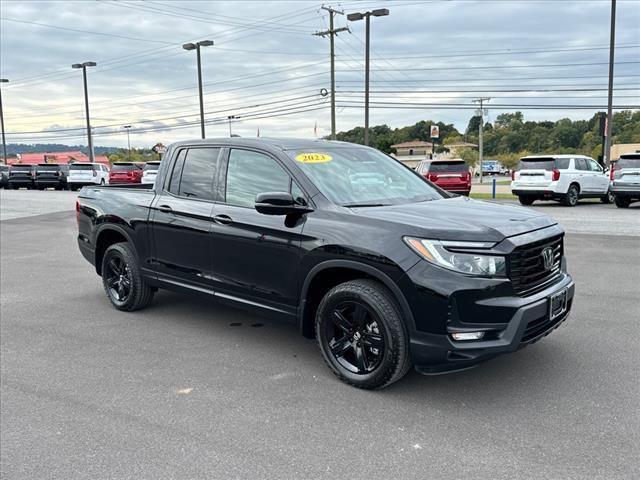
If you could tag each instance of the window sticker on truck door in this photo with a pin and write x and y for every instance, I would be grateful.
(313, 158)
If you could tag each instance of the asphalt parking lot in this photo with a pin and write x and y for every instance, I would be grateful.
(179, 390)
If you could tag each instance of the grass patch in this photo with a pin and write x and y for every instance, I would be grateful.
(487, 196)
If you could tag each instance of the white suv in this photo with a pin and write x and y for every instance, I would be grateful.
(149, 172)
(83, 173)
(566, 178)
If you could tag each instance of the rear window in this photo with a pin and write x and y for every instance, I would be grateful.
(629, 161)
(123, 167)
(151, 167)
(4, 168)
(80, 166)
(48, 168)
(543, 163)
(21, 168)
(443, 167)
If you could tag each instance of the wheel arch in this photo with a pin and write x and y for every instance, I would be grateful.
(330, 273)
(107, 236)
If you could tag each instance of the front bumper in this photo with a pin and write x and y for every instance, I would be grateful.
(529, 322)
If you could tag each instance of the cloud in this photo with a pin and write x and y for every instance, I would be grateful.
(267, 68)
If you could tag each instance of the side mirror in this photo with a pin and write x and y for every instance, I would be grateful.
(279, 203)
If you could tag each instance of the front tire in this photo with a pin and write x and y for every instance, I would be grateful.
(122, 279)
(362, 335)
(571, 197)
(608, 198)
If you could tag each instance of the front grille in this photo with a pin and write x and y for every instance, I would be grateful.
(527, 271)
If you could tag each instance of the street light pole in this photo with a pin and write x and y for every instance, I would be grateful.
(381, 12)
(480, 131)
(127, 127)
(196, 47)
(84, 66)
(4, 142)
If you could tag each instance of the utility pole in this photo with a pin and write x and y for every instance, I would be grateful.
(331, 33)
(84, 66)
(480, 111)
(4, 142)
(231, 117)
(127, 127)
(606, 154)
(353, 17)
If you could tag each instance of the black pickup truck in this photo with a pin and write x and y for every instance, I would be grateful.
(382, 267)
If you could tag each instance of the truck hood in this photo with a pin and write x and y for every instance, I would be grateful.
(460, 218)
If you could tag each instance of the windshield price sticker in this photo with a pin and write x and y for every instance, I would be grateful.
(313, 158)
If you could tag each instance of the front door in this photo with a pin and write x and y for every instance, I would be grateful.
(181, 219)
(599, 181)
(255, 256)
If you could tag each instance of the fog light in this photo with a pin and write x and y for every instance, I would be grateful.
(461, 336)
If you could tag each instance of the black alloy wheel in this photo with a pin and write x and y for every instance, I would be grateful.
(354, 337)
(118, 278)
(571, 197)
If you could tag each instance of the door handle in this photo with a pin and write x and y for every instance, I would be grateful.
(223, 219)
(165, 208)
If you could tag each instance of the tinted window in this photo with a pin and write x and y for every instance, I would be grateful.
(81, 166)
(593, 166)
(21, 168)
(628, 162)
(50, 168)
(123, 167)
(543, 163)
(441, 167)
(359, 176)
(250, 173)
(174, 184)
(562, 163)
(198, 173)
(298, 194)
(581, 164)
(151, 166)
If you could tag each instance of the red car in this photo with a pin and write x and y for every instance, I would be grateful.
(452, 175)
(125, 172)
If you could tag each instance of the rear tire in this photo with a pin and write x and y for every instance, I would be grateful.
(122, 279)
(571, 197)
(622, 202)
(524, 200)
(362, 335)
(608, 198)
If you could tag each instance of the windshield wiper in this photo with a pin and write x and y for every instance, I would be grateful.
(355, 205)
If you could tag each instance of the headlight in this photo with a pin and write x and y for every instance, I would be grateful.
(449, 255)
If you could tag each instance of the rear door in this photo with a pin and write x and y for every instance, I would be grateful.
(181, 219)
(255, 256)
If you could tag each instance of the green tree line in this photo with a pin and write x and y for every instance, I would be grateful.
(510, 137)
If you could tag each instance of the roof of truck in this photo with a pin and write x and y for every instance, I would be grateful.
(280, 143)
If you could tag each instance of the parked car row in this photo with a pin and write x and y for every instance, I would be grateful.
(625, 179)
(75, 175)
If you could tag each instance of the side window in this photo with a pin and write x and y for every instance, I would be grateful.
(562, 163)
(176, 173)
(580, 164)
(298, 195)
(594, 166)
(198, 172)
(250, 173)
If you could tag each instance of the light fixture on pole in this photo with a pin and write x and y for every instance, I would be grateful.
(196, 46)
(84, 66)
(353, 17)
(127, 128)
(231, 117)
(4, 142)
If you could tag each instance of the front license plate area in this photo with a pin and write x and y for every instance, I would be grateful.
(557, 304)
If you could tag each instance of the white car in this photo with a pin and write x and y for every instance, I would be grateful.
(566, 178)
(149, 172)
(625, 179)
(82, 174)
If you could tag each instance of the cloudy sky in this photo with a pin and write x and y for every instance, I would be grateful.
(430, 59)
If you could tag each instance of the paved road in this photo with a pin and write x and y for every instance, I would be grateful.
(176, 391)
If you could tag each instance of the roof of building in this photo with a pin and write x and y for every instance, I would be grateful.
(412, 144)
(35, 158)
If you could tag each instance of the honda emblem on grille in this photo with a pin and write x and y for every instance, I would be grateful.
(547, 258)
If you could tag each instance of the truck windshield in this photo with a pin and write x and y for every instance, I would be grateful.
(361, 177)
